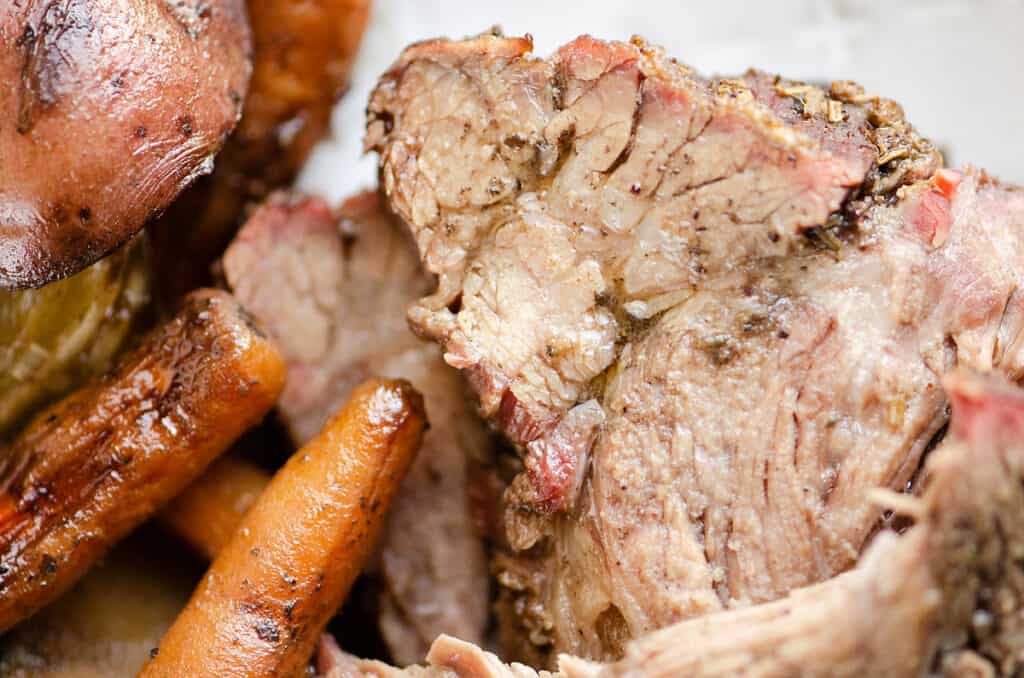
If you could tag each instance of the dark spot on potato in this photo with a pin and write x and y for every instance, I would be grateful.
(154, 652)
(289, 608)
(185, 126)
(85, 214)
(141, 132)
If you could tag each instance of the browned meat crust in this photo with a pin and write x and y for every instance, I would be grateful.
(95, 465)
(113, 107)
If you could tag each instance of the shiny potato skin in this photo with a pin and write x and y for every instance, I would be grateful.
(303, 53)
(263, 603)
(110, 109)
(95, 465)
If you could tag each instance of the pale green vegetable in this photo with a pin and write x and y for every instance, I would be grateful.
(55, 337)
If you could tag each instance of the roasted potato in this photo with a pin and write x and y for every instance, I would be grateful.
(54, 338)
(89, 469)
(303, 53)
(110, 108)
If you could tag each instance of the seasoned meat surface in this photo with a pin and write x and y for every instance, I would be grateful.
(714, 315)
(944, 598)
(332, 292)
(110, 109)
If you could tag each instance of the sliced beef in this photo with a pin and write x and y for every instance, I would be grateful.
(332, 293)
(947, 592)
(944, 598)
(714, 315)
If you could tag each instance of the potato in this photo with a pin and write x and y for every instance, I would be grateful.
(110, 109)
(58, 336)
(109, 622)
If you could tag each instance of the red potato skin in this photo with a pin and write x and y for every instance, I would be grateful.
(263, 603)
(111, 108)
(91, 468)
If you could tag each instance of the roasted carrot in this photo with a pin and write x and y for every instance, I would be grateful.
(92, 467)
(210, 510)
(266, 598)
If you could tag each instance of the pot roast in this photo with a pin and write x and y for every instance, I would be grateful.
(714, 315)
(942, 598)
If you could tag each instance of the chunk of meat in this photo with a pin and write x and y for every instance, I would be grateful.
(111, 108)
(333, 293)
(921, 600)
(302, 56)
(714, 315)
(94, 466)
(592, 190)
(945, 595)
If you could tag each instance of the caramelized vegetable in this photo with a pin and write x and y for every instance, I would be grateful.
(303, 52)
(92, 467)
(110, 108)
(59, 336)
(261, 607)
(210, 510)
